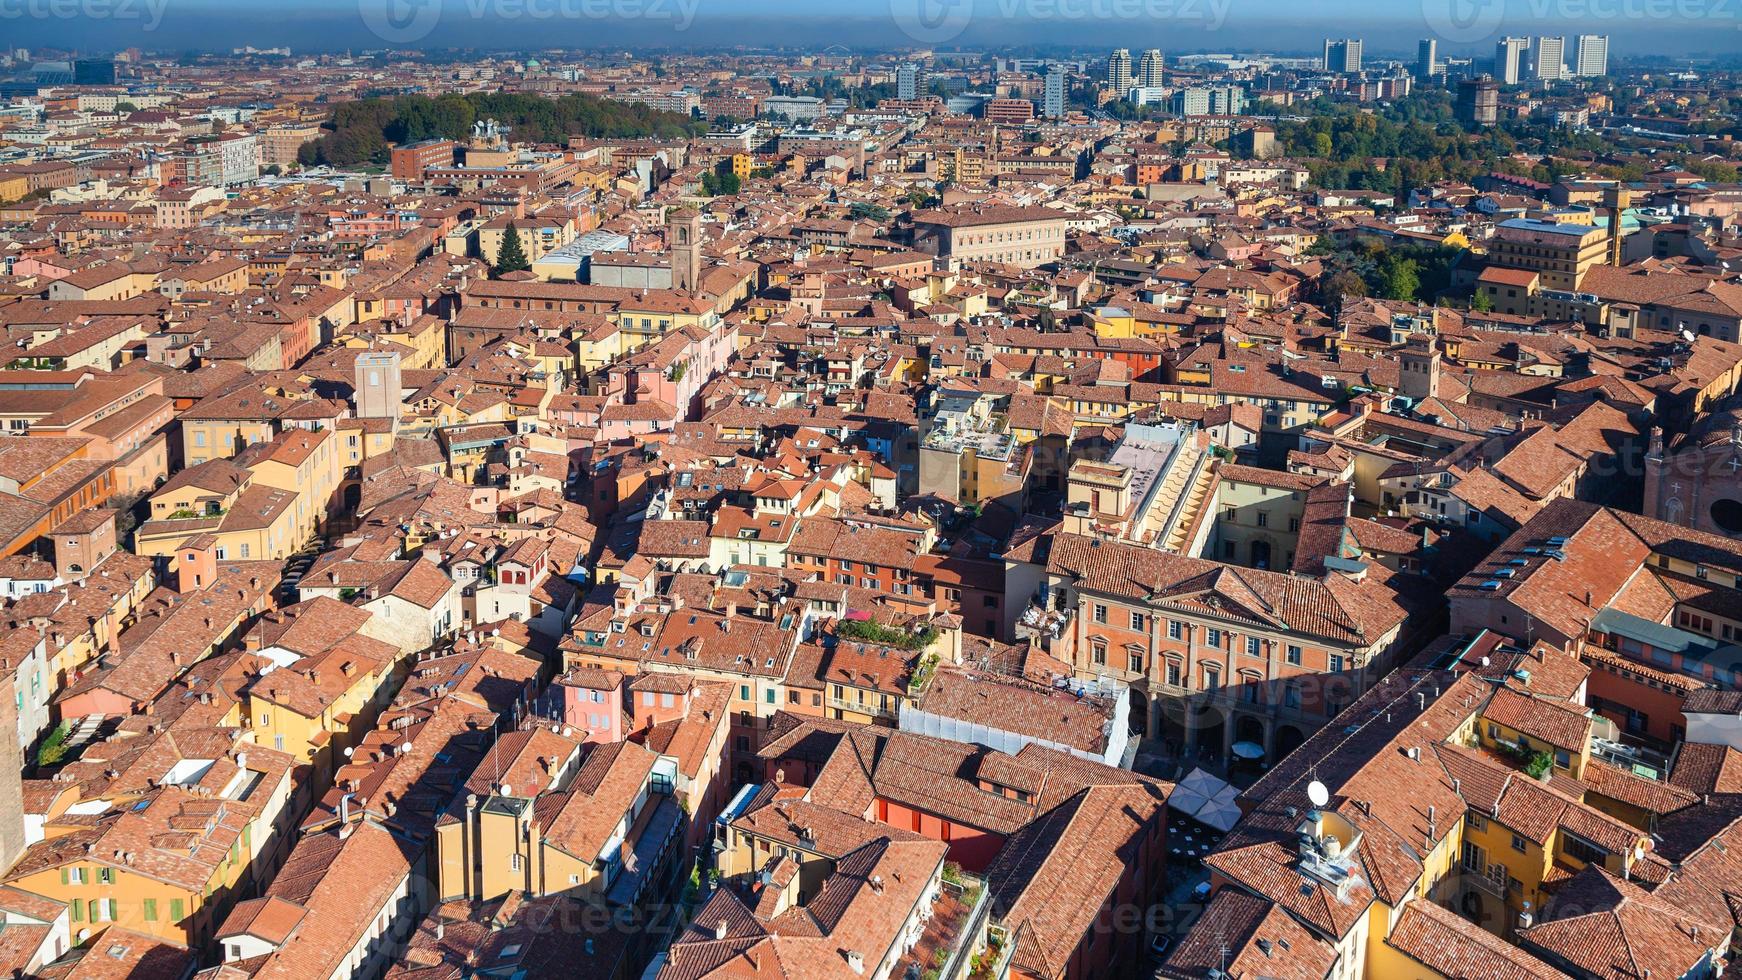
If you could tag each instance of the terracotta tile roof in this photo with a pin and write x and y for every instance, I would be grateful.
(1452, 946)
(1702, 768)
(1338, 609)
(1546, 721)
(1603, 927)
(122, 954)
(343, 880)
(1241, 934)
(1052, 878)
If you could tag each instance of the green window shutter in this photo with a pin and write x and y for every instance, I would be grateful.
(65, 877)
(78, 911)
(175, 910)
(114, 910)
(94, 910)
(151, 910)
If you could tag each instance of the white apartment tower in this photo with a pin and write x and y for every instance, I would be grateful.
(1343, 57)
(1119, 70)
(1149, 69)
(1053, 104)
(1551, 58)
(1592, 57)
(1509, 59)
(907, 82)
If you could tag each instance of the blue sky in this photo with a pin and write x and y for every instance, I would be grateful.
(1390, 26)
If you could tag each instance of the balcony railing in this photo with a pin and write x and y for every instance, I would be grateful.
(961, 961)
(1484, 883)
(861, 707)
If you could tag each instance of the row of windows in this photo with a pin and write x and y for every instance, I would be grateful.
(109, 910)
(1213, 637)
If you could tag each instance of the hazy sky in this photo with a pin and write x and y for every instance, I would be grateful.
(1674, 27)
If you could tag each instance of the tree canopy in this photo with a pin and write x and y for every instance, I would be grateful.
(511, 256)
(362, 132)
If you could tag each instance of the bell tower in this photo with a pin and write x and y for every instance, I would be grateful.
(684, 232)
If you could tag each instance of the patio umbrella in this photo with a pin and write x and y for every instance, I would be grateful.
(1248, 750)
(1222, 811)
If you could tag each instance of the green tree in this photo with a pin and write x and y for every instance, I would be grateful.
(1481, 302)
(511, 257)
(1343, 286)
(1400, 278)
(868, 212)
(724, 182)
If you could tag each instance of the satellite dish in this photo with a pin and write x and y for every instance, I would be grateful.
(1318, 794)
(349, 751)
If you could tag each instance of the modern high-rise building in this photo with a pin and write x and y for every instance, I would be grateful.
(1509, 59)
(1427, 58)
(94, 71)
(1229, 100)
(907, 82)
(1550, 63)
(1478, 101)
(1119, 71)
(1053, 103)
(1149, 69)
(1343, 56)
(1592, 57)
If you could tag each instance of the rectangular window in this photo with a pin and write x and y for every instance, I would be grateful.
(1253, 647)
(1213, 638)
(1336, 663)
(1136, 620)
(1294, 656)
(1100, 613)
(1518, 844)
(150, 910)
(1174, 629)
(175, 910)
(1583, 850)
(743, 692)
